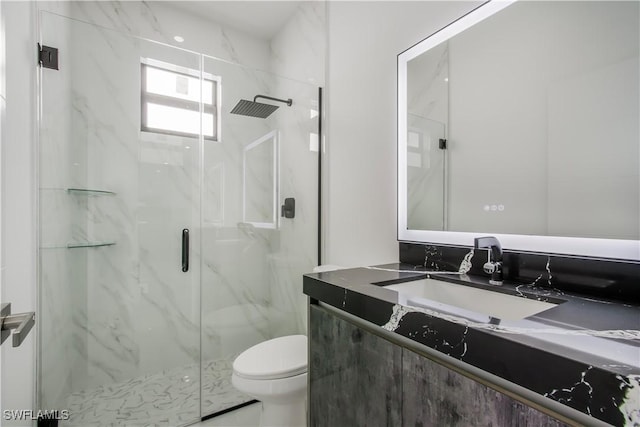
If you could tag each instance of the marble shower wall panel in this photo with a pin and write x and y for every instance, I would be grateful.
(298, 50)
(161, 21)
(259, 180)
(104, 93)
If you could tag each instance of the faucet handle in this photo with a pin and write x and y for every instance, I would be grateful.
(495, 270)
(489, 267)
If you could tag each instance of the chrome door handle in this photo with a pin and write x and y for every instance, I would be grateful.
(21, 323)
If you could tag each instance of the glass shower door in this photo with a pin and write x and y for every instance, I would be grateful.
(120, 172)
(254, 256)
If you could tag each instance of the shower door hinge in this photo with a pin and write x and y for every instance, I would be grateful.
(442, 144)
(20, 324)
(48, 57)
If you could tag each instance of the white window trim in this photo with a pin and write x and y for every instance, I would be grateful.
(215, 109)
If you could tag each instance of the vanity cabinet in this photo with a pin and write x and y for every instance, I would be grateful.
(357, 378)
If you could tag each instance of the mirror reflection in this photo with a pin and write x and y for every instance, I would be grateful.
(539, 107)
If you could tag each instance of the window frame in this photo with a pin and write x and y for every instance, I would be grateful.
(169, 101)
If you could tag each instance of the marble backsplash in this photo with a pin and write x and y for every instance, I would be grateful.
(614, 279)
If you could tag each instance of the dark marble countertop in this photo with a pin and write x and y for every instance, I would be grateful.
(583, 353)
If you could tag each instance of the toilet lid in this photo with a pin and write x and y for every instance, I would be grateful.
(276, 358)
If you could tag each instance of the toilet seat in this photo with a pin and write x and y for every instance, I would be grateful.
(277, 358)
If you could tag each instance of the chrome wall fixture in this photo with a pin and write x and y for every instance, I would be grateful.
(21, 324)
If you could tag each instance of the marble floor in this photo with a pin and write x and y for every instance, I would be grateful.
(168, 398)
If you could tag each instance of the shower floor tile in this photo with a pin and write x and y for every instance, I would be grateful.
(168, 398)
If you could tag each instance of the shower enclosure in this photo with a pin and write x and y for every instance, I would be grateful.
(164, 251)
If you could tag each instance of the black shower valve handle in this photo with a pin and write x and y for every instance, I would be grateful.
(288, 210)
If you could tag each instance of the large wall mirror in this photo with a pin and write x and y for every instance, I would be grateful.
(521, 120)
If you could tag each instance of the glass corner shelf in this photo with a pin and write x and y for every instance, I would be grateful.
(90, 192)
(75, 245)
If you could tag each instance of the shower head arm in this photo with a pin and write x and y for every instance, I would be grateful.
(285, 101)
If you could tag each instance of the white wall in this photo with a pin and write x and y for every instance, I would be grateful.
(364, 39)
(18, 199)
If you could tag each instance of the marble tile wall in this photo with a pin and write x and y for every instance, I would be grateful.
(298, 50)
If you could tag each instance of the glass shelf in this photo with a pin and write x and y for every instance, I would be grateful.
(90, 192)
(75, 245)
(89, 244)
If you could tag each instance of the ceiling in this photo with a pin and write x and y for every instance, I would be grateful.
(262, 19)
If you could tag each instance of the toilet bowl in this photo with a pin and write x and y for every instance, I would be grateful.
(275, 373)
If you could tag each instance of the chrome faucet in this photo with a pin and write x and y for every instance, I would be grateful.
(493, 265)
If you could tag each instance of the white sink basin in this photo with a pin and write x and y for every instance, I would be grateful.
(466, 301)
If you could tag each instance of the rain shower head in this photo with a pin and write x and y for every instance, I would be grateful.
(258, 109)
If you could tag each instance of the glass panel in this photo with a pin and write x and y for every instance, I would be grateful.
(243, 306)
(119, 324)
(126, 336)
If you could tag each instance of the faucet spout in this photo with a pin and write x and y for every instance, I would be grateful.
(493, 265)
(490, 243)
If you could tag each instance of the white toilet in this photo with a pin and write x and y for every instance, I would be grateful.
(275, 373)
